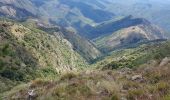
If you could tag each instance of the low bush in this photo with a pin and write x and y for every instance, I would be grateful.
(134, 94)
(68, 76)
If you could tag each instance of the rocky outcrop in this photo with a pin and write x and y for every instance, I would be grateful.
(7, 10)
(164, 61)
(17, 9)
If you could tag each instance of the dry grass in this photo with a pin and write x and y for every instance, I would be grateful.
(104, 85)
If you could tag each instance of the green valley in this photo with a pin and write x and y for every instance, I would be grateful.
(84, 50)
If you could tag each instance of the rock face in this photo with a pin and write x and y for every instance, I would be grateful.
(165, 61)
(7, 10)
(17, 9)
(136, 77)
(31, 94)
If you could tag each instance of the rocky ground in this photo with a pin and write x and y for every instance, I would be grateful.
(149, 82)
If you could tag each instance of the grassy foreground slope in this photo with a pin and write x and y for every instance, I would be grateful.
(145, 83)
(28, 53)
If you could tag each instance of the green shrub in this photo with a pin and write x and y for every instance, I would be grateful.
(115, 97)
(78, 89)
(38, 83)
(59, 92)
(6, 50)
(153, 77)
(163, 87)
(133, 94)
(2, 64)
(112, 65)
(48, 72)
(68, 76)
(13, 75)
(167, 97)
(129, 84)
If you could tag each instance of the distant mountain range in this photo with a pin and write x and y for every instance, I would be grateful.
(102, 22)
(78, 13)
(84, 49)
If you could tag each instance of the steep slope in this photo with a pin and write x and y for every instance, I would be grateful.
(28, 53)
(125, 32)
(89, 11)
(17, 9)
(83, 46)
(16, 63)
(136, 56)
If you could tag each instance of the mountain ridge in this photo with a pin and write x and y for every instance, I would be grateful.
(78, 50)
